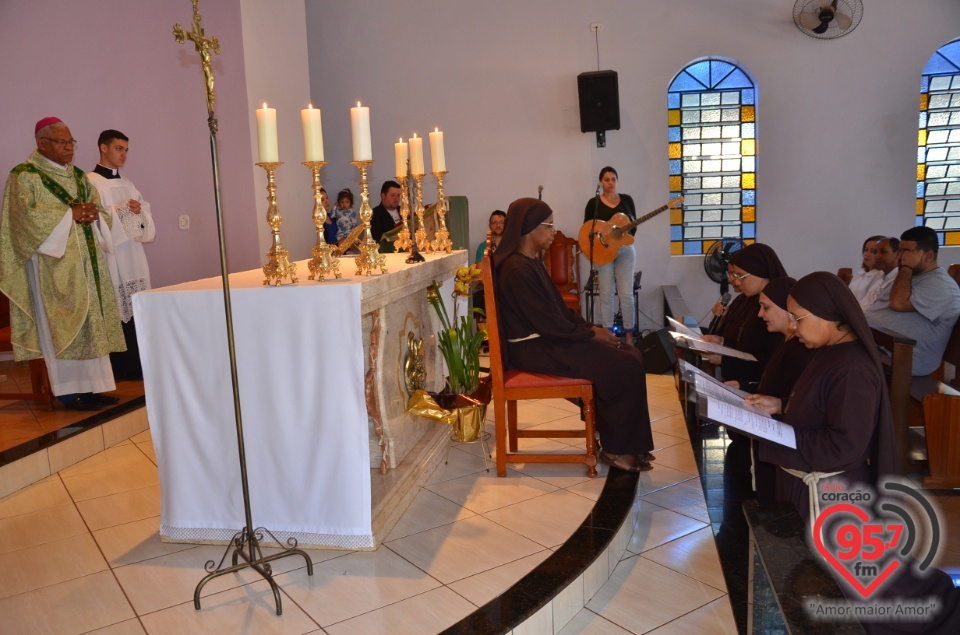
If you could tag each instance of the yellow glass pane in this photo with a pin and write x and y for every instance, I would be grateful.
(951, 238)
(921, 171)
(675, 150)
(676, 249)
(923, 101)
(707, 244)
(676, 183)
(676, 217)
(748, 147)
(673, 117)
(922, 138)
(749, 241)
(747, 114)
(920, 204)
(749, 181)
(749, 214)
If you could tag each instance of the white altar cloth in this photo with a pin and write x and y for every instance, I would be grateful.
(299, 351)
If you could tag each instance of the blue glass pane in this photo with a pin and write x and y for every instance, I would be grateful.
(692, 248)
(674, 195)
(951, 51)
(940, 236)
(940, 65)
(924, 84)
(919, 222)
(673, 134)
(920, 188)
(700, 70)
(718, 71)
(675, 167)
(746, 97)
(676, 232)
(923, 120)
(673, 100)
(736, 79)
(749, 196)
(747, 131)
(749, 230)
(684, 82)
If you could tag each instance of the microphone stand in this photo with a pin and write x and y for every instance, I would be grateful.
(595, 291)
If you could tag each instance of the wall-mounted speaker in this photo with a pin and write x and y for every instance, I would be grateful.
(599, 101)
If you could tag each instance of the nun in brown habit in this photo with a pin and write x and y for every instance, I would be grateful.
(840, 411)
(544, 336)
(750, 270)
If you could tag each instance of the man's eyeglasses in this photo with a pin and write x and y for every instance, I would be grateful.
(795, 319)
(62, 142)
(738, 276)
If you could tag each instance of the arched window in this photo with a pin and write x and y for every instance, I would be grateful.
(712, 150)
(938, 154)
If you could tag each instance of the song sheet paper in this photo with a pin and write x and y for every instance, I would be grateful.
(747, 421)
(698, 345)
(684, 330)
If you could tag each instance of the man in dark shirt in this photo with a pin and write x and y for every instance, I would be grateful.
(386, 215)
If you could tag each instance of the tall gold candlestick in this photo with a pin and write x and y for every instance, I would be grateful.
(278, 265)
(370, 257)
(441, 240)
(422, 243)
(323, 262)
(404, 241)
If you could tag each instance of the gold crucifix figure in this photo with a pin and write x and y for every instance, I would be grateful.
(204, 45)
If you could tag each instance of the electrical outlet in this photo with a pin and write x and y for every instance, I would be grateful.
(596, 27)
(184, 221)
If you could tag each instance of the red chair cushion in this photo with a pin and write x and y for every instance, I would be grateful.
(5, 344)
(520, 379)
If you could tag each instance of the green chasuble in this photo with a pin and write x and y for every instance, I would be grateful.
(75, 288)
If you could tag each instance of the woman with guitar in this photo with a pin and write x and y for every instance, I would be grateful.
(618, 274)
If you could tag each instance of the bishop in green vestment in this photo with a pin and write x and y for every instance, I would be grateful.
(52, 267)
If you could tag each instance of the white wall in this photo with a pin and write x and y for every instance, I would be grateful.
(836, 119)
(275, 55)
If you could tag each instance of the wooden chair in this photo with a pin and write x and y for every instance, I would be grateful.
(39, 382)
(562, 260)
(511, 386)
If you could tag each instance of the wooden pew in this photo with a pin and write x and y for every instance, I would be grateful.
(926, 405)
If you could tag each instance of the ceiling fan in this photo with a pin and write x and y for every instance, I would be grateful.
(827, 19)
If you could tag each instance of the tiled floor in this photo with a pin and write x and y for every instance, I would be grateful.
(80, 551)
(26, 420)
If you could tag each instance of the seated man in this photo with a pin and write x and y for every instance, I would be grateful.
(923, 302)
(885, 260)
(544, 336)
(386, 215)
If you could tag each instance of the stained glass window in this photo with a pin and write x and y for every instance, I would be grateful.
(938, 152)
(712, 155)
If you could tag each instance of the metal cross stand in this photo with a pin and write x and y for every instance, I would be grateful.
(246, 542)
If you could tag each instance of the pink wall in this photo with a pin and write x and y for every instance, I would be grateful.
(114, 64)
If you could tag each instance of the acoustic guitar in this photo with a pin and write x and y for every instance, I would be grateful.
(612, 234)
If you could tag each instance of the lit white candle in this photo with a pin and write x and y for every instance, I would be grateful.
(400, 149)
(312, 134)
(437, 160)
(267, 134)
(360, 123)
(416, 154)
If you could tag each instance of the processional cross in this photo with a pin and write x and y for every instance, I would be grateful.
(246, 542)
(203, 45)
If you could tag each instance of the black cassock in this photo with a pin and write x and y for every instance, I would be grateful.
(529, 303)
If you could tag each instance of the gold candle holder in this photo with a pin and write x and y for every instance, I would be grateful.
(441, 240)
(370, 257)
(422, 243)
(323, 262)
(404, 241)
(278, 265)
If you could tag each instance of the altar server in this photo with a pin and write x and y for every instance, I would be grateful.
(133, 225)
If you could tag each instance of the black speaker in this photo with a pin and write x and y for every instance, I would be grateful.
(657, 349)
(599, 101)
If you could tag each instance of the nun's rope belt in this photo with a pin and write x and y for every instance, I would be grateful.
(811, 479)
